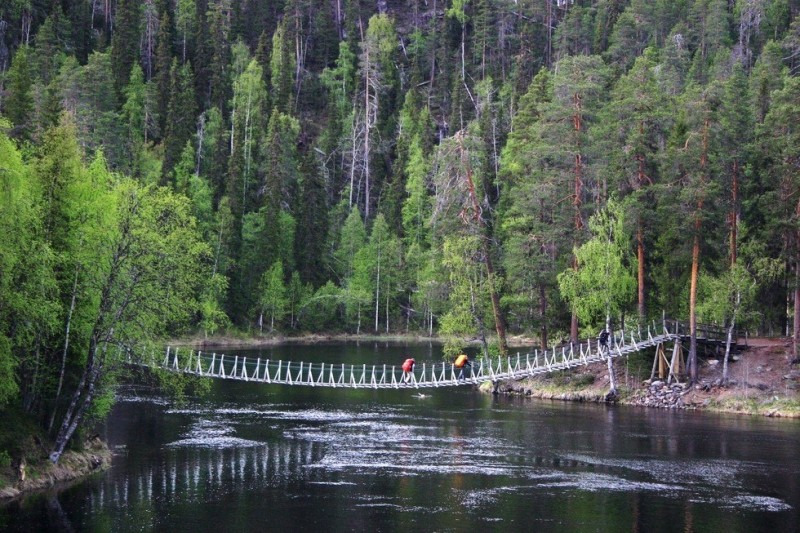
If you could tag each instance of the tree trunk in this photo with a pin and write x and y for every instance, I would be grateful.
(796, 321)
(378, 292)
(499, 321)
(693, 305)
(577, 200)
(68, 429)
(640, 269)
(66, 348)
(692, 363)
(543, 313)
(612, 377)
(81, 399)
(729, 339)
(367, 126)
(734, 212)
(573, 322)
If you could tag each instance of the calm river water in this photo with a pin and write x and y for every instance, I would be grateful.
(274, 458)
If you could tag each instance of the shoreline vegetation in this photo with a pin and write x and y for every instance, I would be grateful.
(32, 472)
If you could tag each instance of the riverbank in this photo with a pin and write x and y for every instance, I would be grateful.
(31, 470)
(762, 381)
(234, 341)
(249, 341)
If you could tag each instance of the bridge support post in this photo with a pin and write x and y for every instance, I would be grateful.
(676, 365)
(656, 359)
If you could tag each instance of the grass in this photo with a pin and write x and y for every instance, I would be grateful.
(771, 406)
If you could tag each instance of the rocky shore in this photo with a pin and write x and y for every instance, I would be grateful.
(27, 476)
(763, 380)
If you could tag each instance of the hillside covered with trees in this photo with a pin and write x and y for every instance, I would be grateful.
(468, 168)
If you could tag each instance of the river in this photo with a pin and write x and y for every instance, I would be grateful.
(254, 457)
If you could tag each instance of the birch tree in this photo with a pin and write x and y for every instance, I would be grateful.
(149, 267)
(601, 286)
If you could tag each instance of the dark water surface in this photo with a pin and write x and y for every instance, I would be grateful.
(255, 457)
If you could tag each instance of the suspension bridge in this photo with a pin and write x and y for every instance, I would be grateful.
(424, 375)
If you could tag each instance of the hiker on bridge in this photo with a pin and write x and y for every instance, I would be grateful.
(462, 362)
(408, 368)
(603, 344)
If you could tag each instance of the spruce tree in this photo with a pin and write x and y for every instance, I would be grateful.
(124, 43)
(181, 116)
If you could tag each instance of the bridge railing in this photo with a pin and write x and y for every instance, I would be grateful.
(425, 374)
(705, 332)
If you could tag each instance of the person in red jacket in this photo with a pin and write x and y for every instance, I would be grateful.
(408, 368)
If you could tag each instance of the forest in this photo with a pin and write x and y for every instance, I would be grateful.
(471, 169)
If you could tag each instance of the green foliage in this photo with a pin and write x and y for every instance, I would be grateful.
(601, 285)
(125, 41)
(212, 315)
(273, 297)
(467, 300)
(282, 70)
(18, 104)
(319, 311)
(8, 367)
(731, 295)
(180, 121)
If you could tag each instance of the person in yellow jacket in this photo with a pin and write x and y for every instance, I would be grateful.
(461, 362)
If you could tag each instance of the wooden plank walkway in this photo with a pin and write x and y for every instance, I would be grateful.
(425, 375)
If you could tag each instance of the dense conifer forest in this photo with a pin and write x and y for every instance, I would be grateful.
(467, 168)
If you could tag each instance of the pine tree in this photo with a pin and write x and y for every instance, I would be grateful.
(694, 158)
(559, 162)
(736, 130)
(526, 216)
(780, 137)
(186, 19)
(635, 126)
(201, 60)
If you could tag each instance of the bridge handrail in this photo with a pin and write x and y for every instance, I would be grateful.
(567, 355)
